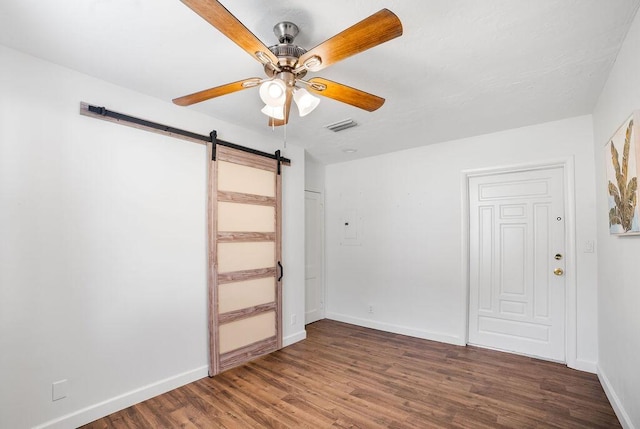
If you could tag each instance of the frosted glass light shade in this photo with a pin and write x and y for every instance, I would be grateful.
(305, 101)
(273, 93)
(274, 111)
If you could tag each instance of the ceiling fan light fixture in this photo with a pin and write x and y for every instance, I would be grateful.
(305, 101)
(276, 112)
(286, 63)
(273, 93)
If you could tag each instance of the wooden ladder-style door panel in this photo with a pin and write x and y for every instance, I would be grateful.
(245, 271)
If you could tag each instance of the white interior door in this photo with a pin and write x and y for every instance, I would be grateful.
(516, 262)
(314, 285)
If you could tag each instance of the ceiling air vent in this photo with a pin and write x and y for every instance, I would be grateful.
(342, 125)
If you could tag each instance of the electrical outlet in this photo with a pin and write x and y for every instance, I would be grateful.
(370, 308)
(59, 390)
(294, 319)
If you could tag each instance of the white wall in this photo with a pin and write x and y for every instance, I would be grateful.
(313, 174)
(409, 264)
(102, 246)
(619, 270)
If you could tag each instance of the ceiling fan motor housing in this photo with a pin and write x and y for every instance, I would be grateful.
(286, 51)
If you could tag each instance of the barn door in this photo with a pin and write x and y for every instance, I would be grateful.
(245, 271)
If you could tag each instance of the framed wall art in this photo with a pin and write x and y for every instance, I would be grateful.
(622, 157)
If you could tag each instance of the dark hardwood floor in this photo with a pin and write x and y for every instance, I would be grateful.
(344, 376)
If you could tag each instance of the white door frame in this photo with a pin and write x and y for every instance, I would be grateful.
(568, 168)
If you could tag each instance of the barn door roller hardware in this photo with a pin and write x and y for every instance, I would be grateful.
(155, 127)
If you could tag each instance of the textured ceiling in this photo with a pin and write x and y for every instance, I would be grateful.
(461, 68)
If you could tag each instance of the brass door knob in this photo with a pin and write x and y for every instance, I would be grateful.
(558, 272)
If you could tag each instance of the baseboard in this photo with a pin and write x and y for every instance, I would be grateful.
(584, 365)
(294, 338)
(622, 415)
(94, 412)
(397, 329)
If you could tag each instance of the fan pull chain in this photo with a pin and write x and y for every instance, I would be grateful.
(285, 135)
(286, 121)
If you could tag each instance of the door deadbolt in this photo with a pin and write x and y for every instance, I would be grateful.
(557, 257)
(558, 272)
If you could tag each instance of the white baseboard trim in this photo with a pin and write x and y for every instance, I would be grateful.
(397, 329)
(294, 338)
(584, 365)
(94, 412)
(622, 415)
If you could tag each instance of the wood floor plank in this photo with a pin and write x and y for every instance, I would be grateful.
(345, 376)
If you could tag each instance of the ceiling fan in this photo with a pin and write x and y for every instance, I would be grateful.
(286, 64)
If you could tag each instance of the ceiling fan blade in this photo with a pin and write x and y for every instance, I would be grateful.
(380, 27)
(273, 122)
(346, 94)
(217, 91)
(217, 15)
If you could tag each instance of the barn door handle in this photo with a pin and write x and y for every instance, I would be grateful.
(281, 271)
